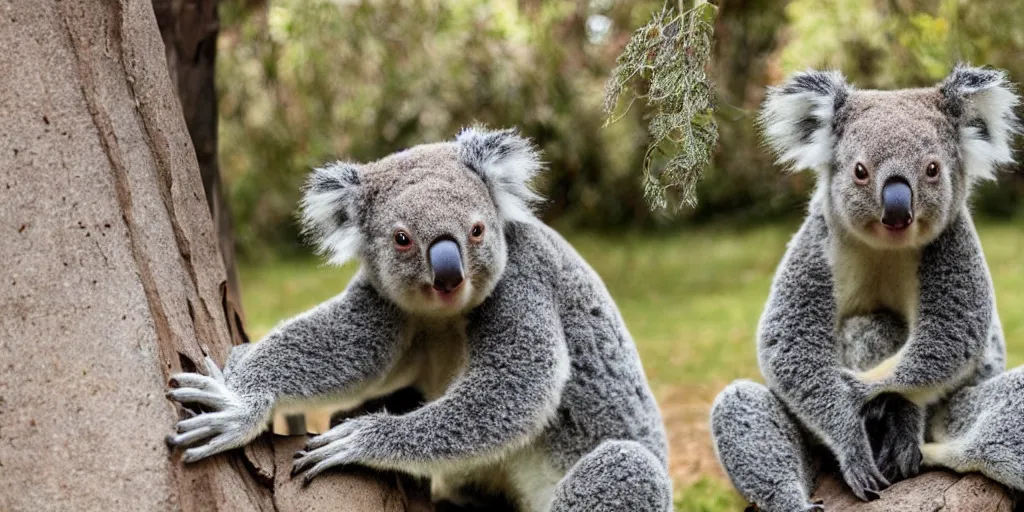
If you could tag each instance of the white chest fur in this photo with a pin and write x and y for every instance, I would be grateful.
(437, 354)
(868, 280)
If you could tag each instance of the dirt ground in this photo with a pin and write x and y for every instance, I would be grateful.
(685, 412)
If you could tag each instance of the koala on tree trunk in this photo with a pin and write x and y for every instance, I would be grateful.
(534, 387)
(880, 342)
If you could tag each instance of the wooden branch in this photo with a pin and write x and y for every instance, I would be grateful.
(349, 491)
(934, 491)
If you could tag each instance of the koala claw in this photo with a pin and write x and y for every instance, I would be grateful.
(894, 429)
(899, 462)
(232, 423)
(865, 481)
(344, 444)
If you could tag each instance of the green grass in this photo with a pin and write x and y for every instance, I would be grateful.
(691, 300)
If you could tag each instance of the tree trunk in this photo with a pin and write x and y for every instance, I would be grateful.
(112, 280)
(935, 491)
(189, 31)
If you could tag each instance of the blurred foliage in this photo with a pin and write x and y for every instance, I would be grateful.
(666, 63)
(307, 81)
(303, 82)
(742, 184)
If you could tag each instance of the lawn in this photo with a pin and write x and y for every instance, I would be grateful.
(691, 300)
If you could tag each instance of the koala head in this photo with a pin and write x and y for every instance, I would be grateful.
(428, 223)
(894, 167)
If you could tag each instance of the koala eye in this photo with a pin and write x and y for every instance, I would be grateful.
(477, 232)
(860, 173)
(402, 240)
(932, 171)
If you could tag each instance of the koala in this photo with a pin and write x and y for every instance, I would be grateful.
(883, 305)
(533, 387)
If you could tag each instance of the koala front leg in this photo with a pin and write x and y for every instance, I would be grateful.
(953, 322)
(799, 358)
(895, 426)
(517, 366)
(328, 350)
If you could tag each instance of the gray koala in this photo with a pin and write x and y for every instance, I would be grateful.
(533, 385)
(883, 304)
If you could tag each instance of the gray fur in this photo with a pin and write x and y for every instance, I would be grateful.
(533, 385)
(981, 430)
(867, 330)
(763, 448)
(585, 487)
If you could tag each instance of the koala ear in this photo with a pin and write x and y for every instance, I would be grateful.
(328, 211)
(798, 118)
(507, 162)
(980, 101)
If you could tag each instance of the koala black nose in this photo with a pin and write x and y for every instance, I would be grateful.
(897, 203)
(446, 263)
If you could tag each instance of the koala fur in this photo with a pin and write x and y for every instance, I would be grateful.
(533, 385)
(872, 324)
(981, 430)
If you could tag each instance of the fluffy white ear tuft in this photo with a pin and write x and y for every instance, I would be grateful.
(981, 103)
(507, 162)
(328, 211)
(797, 118)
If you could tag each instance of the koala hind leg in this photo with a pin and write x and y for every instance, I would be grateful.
(982, 431)
(762, 448)
(989, 453)
(615, 476)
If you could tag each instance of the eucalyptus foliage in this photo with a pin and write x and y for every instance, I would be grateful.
(665, 65)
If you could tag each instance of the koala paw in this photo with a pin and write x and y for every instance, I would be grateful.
(347, 443)
(894, 429)
(232, 423)
(899, 457)
(864, 479)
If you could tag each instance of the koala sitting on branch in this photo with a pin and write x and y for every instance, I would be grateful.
(534, 387)
(883, 306)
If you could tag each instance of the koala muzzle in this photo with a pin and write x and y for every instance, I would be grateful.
(897, 203)
(446, 263)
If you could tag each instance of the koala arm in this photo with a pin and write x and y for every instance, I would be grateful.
(799, 358)
(517, 366)
(330, 349)
(953, 322)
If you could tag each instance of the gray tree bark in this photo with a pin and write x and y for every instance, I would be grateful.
(112, 280)
(935, 491)
(189, 30)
